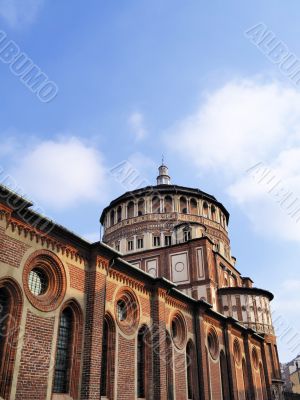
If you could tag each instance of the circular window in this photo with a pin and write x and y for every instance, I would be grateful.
(44, 280)
(37, 281)
(178, 330)
(237, 354)
(213, 344)
(127, 311)
(255, 358)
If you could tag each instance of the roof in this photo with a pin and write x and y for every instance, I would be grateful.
(246, 290)
(21, 209)
(164, 189)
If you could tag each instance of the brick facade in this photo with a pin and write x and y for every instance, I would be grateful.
(191, 349)
(35, 358)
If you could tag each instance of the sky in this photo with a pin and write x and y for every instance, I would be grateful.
(204, 83)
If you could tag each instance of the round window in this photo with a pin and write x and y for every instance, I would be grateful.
(44, 280)
(127, 311)
(178, 330)
(213, 344)
(37, 281)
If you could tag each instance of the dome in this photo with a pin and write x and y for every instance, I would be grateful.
(162, 215)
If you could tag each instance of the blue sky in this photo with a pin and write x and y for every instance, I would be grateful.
(137, 79)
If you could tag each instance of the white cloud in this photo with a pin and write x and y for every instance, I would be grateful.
(271, 197)
(137, 125)
(19, 12)
(237, 126)
(61, 173)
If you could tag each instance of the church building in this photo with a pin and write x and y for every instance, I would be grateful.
(157, 310)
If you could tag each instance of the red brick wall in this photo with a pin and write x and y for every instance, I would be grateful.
(215, 377)
(158, 315)
(35, 360)
(77, 277)
(126, 369)
(240, 382)
(111, 289)
(91, 378)
(145, 306)
(11, 250)
(180, 375)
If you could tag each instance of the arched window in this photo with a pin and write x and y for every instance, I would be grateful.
(68, 350)
(183, 205)
(156, 204)
(245, 379)
(143, 363)
(141, 207)
(108, 358)
(213, 213)
(262, 381)
(224, 376)
(168, 202)
(205, 210)
(63, 353)
(169, 365)
(119, 214)
(130, 209)
(112, 217)
(4, 318)
(221, 219)
(190, 370)
(10, 315)
(193, 206)
(224, 221)
(187, 234)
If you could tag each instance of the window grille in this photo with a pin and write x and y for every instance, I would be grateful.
(63, 357)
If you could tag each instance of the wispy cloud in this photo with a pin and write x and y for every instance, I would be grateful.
(237, 126)
(19, 12)
(137, 125)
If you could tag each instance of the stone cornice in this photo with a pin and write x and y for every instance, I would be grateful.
(128, 281)
(32, 234)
